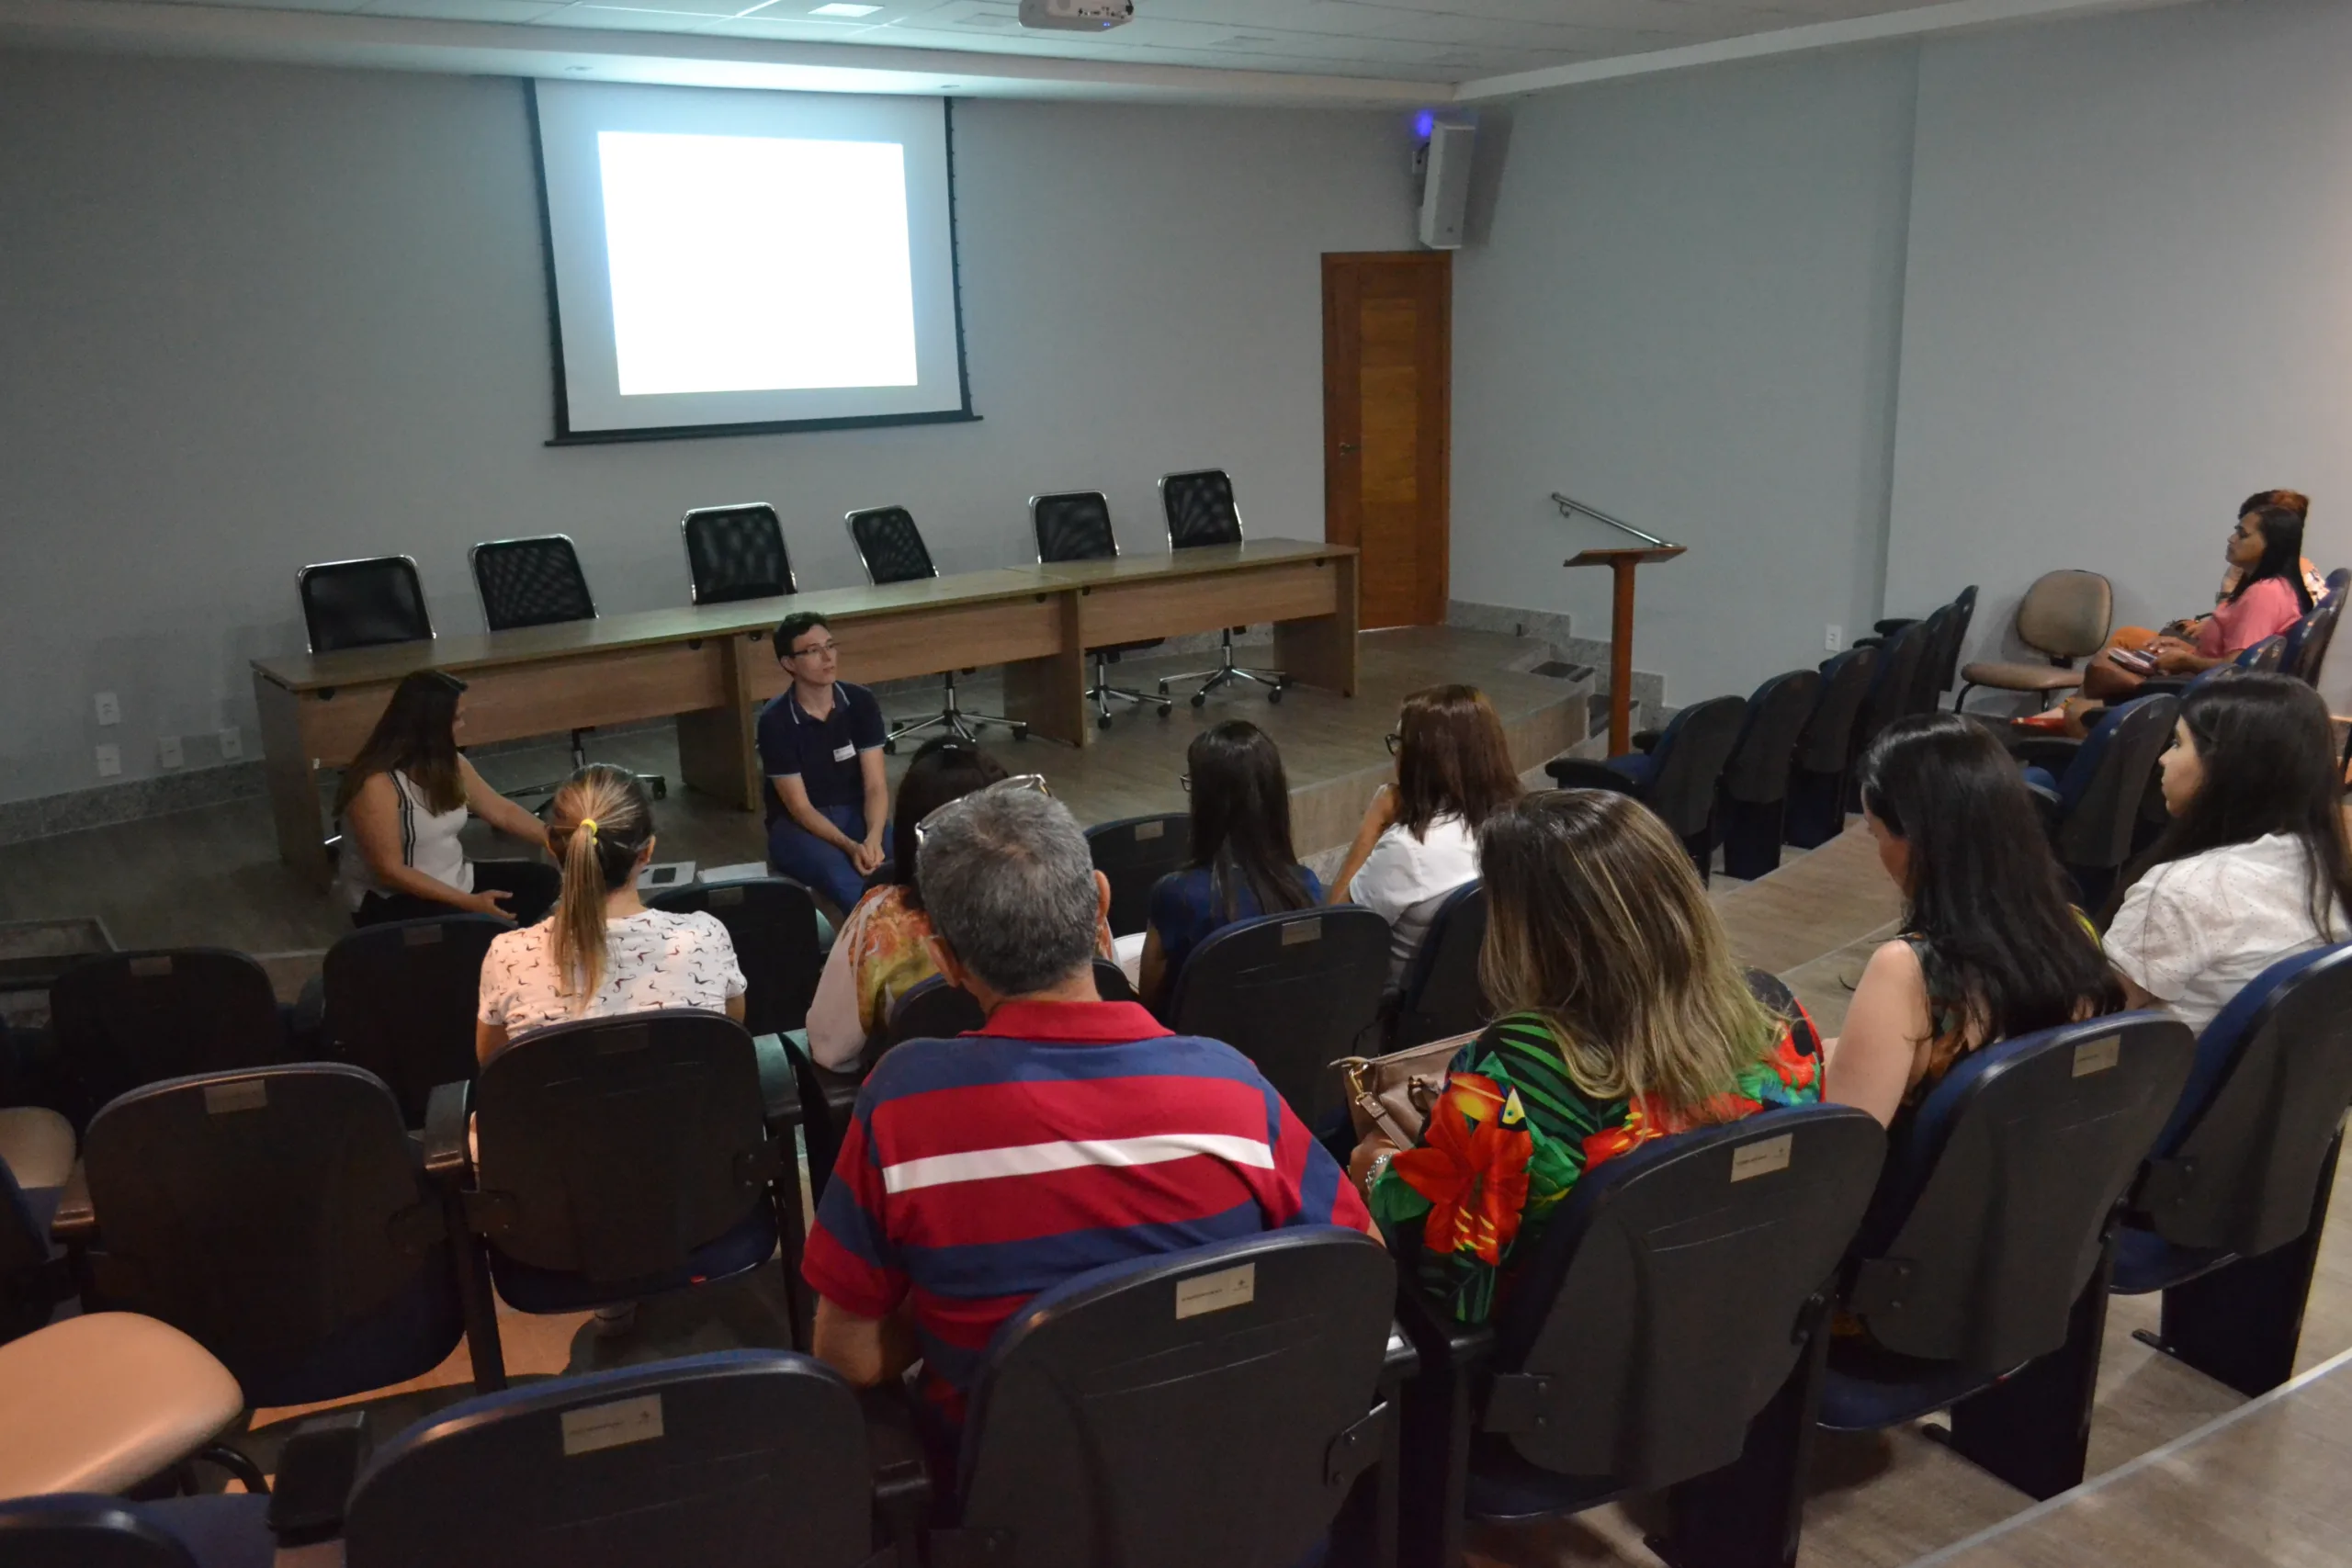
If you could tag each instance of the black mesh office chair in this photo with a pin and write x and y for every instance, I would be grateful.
(362, 604)
(891, 548)
(537, 582)
(1199, 511)
(1076, 525)
(736, 552)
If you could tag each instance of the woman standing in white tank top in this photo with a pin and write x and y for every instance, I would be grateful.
(403, 801)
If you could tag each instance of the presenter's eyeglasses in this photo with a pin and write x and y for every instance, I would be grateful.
(1030, 783)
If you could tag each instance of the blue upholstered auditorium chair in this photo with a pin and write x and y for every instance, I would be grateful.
(772, 923)
(744, 1456)
(1825, 750)
(620, 1158)
(280, 1217)
(1751, 811)
(401, 998)
(2095, 791)
(1133, 853)
(126, 1018)
(1678, 777)
(1440, 994)
(2227, 1215)
(1666, 1332)
(1232, 1395)
(1294, 992)
(1981, 1276)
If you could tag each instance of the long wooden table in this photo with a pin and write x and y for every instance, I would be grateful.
(710, 666)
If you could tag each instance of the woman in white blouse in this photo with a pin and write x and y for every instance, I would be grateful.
(2255, 866)
(603, 952)
(1418, 839)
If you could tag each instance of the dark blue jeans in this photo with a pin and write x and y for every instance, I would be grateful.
(799, 854)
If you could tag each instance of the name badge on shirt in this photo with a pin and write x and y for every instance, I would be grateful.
(843, 753)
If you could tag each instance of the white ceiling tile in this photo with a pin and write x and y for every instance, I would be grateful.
(465, 10)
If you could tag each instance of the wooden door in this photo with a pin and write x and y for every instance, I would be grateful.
(1387, 400)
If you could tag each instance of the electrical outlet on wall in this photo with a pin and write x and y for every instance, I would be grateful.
(233, 744)
(110, 761)
(110, 710)
(167, 752)
(1833, 637)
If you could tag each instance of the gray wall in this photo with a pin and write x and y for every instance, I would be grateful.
(2129, 303)
(252, 317)
(1686, 313)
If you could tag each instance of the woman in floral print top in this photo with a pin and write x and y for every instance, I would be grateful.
(1623, 1020)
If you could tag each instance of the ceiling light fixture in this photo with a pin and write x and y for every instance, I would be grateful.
(844, 10)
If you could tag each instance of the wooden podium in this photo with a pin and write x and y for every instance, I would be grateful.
(1622, 564)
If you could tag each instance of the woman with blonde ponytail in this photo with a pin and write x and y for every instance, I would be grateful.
(601, 951)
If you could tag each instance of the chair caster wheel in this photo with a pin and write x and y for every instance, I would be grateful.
(889, 747)
(1166, 708)
(1021, 731)
(1103, 722)
(1275, 696)
(1200, 699)
(1163, 688)
(660, 789)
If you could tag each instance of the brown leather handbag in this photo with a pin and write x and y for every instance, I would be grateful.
(1391, 1094)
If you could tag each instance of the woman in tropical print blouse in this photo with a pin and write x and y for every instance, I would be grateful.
(1623, 1018)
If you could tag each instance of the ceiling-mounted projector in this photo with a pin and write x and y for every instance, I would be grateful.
(1077, 15)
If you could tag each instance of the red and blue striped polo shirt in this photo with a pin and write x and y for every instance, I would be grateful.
(1064, 1136)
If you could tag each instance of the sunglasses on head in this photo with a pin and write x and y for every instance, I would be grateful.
(1018, 783)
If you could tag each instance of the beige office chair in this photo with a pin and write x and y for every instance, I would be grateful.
(2064, 614)
(105, 1401)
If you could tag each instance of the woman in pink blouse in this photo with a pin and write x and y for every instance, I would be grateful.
(2267, 546)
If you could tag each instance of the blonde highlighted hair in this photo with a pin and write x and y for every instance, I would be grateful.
(1597, 923)
(597, 825)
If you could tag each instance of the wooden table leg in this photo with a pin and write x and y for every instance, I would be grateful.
(1048, 694)
(293, 783)
(1321, 649)
(719, 748)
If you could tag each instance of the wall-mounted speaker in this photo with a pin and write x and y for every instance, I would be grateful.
(1445, 186)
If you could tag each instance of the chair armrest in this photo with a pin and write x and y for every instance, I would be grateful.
(315, 1471)
(1581, 772)
(901, 1475)
(1888, 628)
(447, 1158)
(1868, 642)
(76, 1224)
(1438, 1341)
(1646, 739)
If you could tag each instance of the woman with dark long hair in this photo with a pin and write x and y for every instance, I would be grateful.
(603, 952)
(1243, 864)
(881, 952)
(404, 799)
(2266, 589)
(2254, 866)
(1623, 1018)
(1991, 945)
(1418, 839)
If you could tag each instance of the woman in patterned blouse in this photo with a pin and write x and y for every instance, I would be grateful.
(1622, 1017)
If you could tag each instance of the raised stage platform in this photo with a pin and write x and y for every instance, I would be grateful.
(212, 875)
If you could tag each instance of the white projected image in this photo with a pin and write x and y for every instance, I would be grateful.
(756, 264)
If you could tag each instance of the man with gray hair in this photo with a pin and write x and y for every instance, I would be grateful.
(1068, 1134)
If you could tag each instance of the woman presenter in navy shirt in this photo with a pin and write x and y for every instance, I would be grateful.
(820, 746)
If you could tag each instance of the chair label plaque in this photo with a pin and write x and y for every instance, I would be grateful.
(1150, 830)
(1761, 1158)
(623, 1421)
(2097, 1055)
(1215, 1292)
(243, 1094)
(1303, 930)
